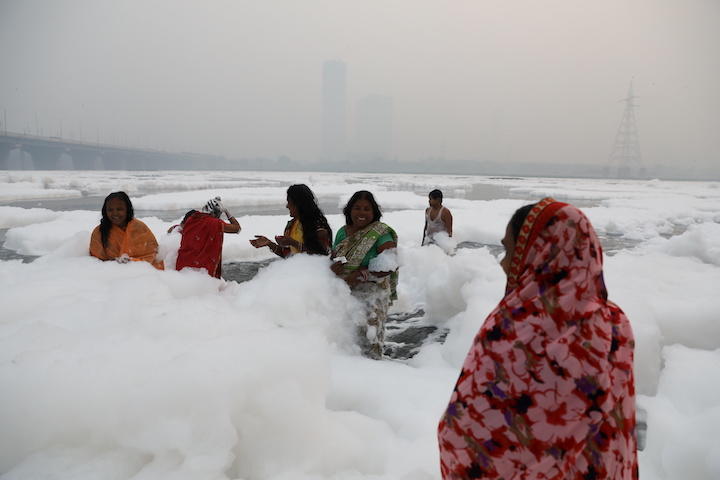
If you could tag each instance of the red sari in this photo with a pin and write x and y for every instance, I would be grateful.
(547, 389)
(201, 243)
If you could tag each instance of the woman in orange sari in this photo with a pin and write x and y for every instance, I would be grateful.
(122, 237)
(547, 389)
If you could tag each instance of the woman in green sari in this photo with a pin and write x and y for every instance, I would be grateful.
(371, 277)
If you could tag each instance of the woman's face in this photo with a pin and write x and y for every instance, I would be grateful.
(361, 213)
(509, 243)
(292, 208)
(116, 212)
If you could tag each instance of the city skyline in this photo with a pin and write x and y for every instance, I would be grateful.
(518, 83)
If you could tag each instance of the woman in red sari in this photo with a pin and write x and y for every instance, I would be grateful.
(547, 389)
(202, 237)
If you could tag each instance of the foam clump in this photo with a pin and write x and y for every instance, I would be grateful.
(387, 261)
(129, 372)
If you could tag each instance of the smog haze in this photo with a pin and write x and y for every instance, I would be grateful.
(466, 81)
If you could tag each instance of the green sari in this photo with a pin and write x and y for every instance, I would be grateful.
(376, 294)
(360, 247)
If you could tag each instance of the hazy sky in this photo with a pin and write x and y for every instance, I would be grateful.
(484, 80)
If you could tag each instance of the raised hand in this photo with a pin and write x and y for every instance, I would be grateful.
(260, 241)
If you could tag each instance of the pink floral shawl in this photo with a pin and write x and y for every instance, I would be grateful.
(547, 389)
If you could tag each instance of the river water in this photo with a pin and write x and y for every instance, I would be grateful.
(243, 271)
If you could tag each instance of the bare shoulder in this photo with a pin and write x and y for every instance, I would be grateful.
(446, 212)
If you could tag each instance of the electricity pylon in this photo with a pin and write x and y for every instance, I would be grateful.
(625, 154)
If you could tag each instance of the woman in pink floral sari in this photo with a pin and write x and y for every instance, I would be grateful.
(547, 389)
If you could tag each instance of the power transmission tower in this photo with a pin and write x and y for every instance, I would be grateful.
(625, 156)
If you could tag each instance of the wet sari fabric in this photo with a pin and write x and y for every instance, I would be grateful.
(201, 244)
(376, 296)
(136, 241)
(547, 390)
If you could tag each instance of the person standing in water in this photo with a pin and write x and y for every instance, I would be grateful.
(307, 231)
(437, 218)
(122, 237)
(547, 389)
(362, 240)
(202, 237)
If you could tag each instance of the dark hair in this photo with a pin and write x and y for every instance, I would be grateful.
(310, 216)
(516, 221)
(362, 195)
(436, 194)
(105, 223)
(188, 215)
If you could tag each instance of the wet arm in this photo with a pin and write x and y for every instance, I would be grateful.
(448, 221)
(233, 226)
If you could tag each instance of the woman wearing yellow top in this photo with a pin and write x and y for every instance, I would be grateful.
(307, 231)
(122, 237)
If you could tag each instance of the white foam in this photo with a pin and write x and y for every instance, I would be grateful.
(129, 372)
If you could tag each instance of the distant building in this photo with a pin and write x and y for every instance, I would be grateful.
(334, 111)
(373, 127)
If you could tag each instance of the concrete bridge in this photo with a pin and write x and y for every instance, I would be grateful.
(31, 152)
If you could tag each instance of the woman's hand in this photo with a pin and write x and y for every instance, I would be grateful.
(337, 268)
(259, 241)
(356, 277)
(285, 241)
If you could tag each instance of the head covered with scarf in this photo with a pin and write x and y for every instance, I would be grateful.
(213, 207)
(547, 388)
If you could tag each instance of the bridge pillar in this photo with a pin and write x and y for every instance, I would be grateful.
(84, 159)
(98, 162)
(65, 161)
(135, 161)
(44, 158)
(115, 160)
(19, 159)
(4, 153)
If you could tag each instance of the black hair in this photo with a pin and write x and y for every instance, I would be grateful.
(105, 223)
(310, 216)
(188, 215)
(361, 195)
(516, 221)
(436, 194)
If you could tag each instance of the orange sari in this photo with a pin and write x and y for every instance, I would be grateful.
(137, 241)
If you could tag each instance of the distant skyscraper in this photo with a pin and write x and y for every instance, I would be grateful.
(334, 110)
(373, 126)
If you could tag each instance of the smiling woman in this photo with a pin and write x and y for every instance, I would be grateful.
(122, 237)
(364, 238)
